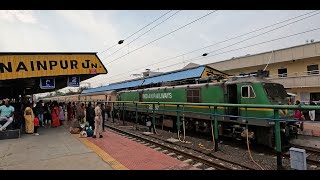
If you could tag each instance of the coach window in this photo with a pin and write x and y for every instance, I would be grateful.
(193, 95)
(247, 92)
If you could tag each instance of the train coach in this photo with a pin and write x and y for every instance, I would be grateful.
(84, 98)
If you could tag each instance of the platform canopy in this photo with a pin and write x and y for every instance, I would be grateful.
(31, 73)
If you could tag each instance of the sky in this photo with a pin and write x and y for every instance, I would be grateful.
(97, 31)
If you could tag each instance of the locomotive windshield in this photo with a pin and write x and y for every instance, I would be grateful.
(275, 90)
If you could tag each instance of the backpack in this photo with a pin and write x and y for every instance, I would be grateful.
(89, 132)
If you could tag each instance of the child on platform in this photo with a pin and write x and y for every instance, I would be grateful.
(36, 125)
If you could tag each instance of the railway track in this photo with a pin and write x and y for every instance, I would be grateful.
(195, 159)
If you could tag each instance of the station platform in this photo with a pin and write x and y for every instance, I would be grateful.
(123, 153)
(57, 149)
(307, 141)
(53, 149)
(311, 129)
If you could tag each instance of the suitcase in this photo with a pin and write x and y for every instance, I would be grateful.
(10, 134)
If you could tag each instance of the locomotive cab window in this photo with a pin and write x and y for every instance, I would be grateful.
(193, 95)
(247, 92)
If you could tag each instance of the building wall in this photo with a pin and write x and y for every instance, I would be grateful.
(295, 59)
(294, 68)
(282, 55)
(303, 94)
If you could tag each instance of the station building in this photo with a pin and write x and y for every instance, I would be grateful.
(297, 68)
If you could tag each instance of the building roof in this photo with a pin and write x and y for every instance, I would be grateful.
(190, 65)
(195, 72)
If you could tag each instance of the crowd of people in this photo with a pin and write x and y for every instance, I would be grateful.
(95, 117)
(32, 116)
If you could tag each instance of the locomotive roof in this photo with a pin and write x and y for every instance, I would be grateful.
(233, 80)
(252, 79)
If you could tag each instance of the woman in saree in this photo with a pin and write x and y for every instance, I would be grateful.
(61, 113)
(29, 118)
(69, 112)
(55, 115)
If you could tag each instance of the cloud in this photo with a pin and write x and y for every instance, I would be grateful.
(18, 16)
(98, 27)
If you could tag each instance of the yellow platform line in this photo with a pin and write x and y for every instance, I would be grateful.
(103, 155)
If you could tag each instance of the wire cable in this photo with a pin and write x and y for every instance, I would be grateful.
(276, 39)
(158, 62)
(137, 31)
(264, 42)
(143, 33)
(162, 36)
(248, 146)
(266, 32)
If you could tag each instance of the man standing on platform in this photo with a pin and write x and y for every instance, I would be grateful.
(90, 115)
(98, 122)
(7, 112)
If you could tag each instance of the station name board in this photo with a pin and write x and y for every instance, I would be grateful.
(45, 65)
(24, 66)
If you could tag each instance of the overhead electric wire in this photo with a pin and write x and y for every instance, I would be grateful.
(202, 57)
(158, 62)
(137, 31)
(232, 38)
(143, 33)
(264, 42)
(276, 39)
(266, 32)
(162, 36)
(257, 35)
